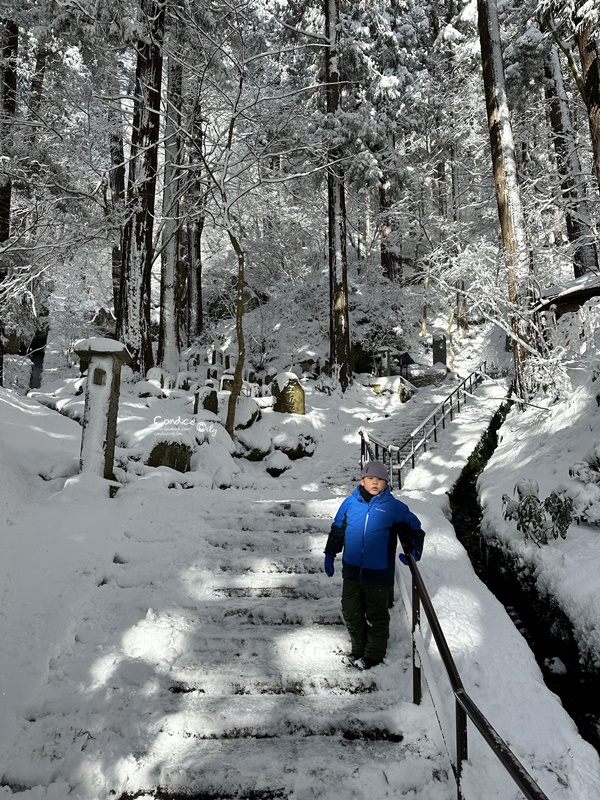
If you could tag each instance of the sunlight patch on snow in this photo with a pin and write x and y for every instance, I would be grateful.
(155, 634)
(103, 669)
(310, 487)
(461, 615)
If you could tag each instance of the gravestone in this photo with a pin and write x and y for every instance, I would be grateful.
(439, 349)
(207, 397)
(288, 394)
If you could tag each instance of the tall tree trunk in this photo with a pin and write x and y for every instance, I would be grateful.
(36, 89)
(577, 215)
(9, 38)
(117, 191)
(339, 327)
(195, 317)
(133, 314)
(590, 65)
(168, 334)
(461, 309)
(510, 212)
(9, 42)
(462, 320)
(236, 388)
(196, 214)
(391, 265)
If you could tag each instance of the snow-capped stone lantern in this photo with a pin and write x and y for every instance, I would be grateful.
(104, 358)
(288, 394)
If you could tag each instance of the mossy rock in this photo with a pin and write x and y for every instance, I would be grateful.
(277, 463)
(254, 454)
(175, 455)
(304, 448)
(254, 446)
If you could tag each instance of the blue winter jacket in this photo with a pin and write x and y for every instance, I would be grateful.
(368, 532)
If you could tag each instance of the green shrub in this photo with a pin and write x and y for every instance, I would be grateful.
(538, 521)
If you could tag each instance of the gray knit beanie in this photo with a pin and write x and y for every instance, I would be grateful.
(375, 469)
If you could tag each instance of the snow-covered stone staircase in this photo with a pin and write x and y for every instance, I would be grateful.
(202, 659)
(263, 688)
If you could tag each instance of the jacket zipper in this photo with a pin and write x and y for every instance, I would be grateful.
(364, 533)
(362, 548)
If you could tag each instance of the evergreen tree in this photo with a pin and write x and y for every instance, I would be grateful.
(133, 313)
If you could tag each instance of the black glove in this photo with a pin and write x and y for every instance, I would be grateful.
(412, 540)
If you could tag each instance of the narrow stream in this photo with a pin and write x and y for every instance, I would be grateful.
(538, 618)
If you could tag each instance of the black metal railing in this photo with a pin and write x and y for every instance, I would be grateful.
(396, 457)
(465, 708)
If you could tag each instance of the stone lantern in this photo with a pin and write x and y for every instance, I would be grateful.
(103, 358)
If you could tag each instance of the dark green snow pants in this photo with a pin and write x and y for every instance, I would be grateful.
(365, 608)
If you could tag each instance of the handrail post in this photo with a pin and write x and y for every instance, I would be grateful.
(461, 745)
(416, 623)
(465, 707)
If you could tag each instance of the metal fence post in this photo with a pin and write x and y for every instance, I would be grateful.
(461, 745)
(416, 623)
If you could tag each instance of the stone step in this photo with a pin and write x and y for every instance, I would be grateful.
(368, 715)
(335, 763)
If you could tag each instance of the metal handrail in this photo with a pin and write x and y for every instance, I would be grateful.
(395, 456)
(465, 707)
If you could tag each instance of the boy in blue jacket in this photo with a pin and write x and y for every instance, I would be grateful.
(367, 527)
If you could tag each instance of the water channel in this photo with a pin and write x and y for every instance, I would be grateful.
(538, 617)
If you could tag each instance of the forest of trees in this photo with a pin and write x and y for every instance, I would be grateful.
(168, 159)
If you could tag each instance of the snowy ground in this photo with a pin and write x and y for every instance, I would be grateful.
(188, 638)
(558, 448)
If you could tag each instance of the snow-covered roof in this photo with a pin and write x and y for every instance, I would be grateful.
(590, 280)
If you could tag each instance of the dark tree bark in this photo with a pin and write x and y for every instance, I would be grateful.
(133, 313)
(391, 265)
(117, 190)
(590, 65)
(195, 315)
(195, 211)
(37, 82)
(168, 334)
(9, 42)
(339, 328)
(237, 382)
(9, 33)
(577, 215)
